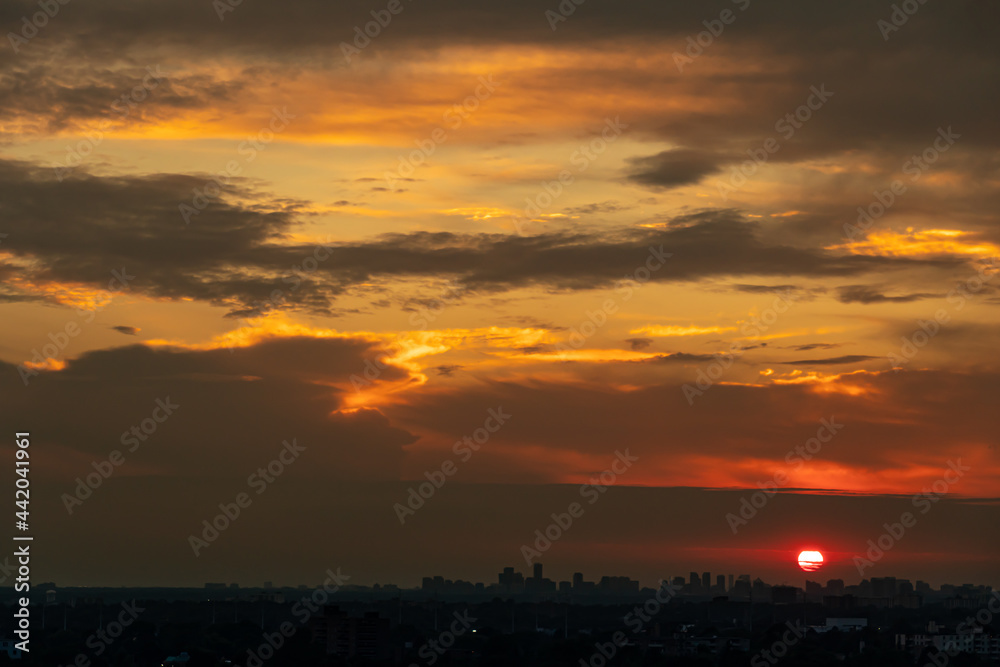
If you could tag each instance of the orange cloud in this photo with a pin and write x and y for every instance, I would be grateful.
(916, 243)
(671, 330)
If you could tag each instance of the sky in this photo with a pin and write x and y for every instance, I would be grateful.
(401, 282)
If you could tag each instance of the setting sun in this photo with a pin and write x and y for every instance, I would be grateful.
(810, 561)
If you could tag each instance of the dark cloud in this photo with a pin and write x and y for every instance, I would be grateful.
(950, 44)
(673, 168)
(59, 99)
(304, 25)
(868, 294)
(765, 289)
(814, 346)
(592, 209)
(129, 331)
(236, 408)
(231, 254)
(639, 343)
(832, 361)
(681, 357)
(728, 421)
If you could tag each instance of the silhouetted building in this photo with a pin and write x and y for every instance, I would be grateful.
(511, 582)
(347, 636)
(883, 587)
(741, 589)
(784, 594)
(617, 586)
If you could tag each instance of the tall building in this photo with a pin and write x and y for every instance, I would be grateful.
(706, 582)
(720, 583)
(730, 583)
(617, 585)
(577, 579)
(883, 587)
(511, 582)
(537, 571)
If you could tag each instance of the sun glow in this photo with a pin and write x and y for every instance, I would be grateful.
(810, 561)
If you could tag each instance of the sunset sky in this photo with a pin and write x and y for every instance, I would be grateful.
(693, 231)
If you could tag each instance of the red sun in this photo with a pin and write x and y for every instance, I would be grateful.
(810, 561)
